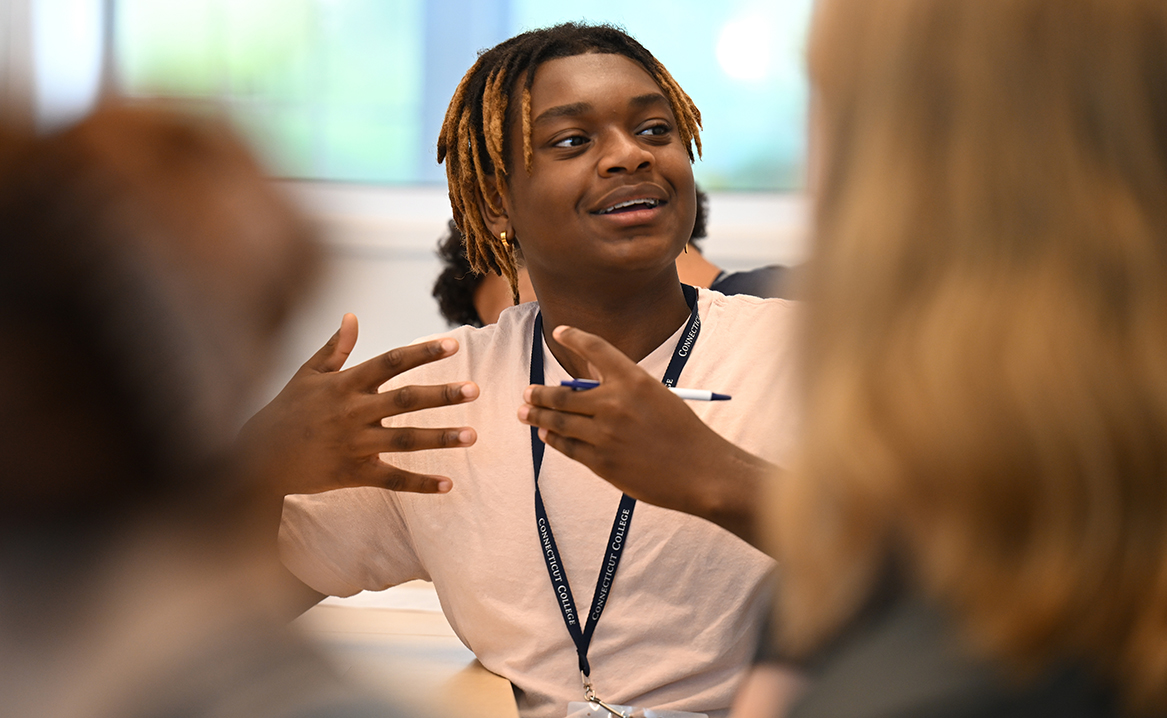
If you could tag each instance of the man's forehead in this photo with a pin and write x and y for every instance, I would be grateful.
(571, 86)
(592, 71)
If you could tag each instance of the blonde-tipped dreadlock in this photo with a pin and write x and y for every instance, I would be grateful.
(473, 140)
(688, 116)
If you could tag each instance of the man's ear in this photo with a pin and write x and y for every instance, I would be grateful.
(495, 208)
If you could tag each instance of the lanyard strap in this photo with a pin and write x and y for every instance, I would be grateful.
(582, 634)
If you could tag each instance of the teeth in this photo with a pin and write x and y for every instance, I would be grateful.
(647, 202)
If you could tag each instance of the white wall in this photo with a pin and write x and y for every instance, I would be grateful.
(16, 64)
(381, 265)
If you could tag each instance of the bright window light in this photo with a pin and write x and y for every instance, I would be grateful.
(355, 90)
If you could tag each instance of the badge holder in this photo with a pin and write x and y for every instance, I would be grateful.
(596, 708)
(579, 709)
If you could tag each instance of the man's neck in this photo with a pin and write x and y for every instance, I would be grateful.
(636, 323)
(693, 268)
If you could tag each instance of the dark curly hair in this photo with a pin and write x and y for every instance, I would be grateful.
(457, 282)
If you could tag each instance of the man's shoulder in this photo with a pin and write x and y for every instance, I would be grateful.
(748, 308)
(742, 328)
(477, 347)
(509, 335)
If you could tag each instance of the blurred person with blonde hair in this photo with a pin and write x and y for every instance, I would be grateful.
(145, 268)
(977, 524)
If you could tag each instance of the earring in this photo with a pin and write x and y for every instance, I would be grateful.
(503, 237)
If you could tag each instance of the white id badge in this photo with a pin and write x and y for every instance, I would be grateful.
(582, 709)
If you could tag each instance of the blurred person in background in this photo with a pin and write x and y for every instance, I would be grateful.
(145, 268)
(467, 297)
(977, 524)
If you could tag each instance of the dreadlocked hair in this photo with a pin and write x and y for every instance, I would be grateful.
(473, 141)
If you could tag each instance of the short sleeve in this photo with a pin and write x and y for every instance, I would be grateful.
(349, 540)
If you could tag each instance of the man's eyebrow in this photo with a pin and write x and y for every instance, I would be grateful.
(573, 110)
(651, 98)
(576, 109)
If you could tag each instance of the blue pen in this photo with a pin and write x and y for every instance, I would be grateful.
(690, 394)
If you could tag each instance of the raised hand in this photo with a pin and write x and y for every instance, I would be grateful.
(639, 436)
(323, 431)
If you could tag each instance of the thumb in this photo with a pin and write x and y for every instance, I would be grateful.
(602, 357)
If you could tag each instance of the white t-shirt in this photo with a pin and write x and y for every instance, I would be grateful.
(683, 616)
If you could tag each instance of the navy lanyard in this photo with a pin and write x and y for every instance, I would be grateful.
(618, 538)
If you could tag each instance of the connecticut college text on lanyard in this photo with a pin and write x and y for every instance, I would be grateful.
(582, 636)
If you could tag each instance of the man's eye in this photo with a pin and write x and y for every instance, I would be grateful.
(655, 130)
(573, 141)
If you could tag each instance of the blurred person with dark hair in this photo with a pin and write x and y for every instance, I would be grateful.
(977, 523)
(145, 268)
(467, 297)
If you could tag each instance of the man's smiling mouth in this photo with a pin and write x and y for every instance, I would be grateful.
(632, 205)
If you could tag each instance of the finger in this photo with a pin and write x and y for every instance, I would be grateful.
(370, 375)
(347, 335)
(595, 350)
(413, 398)
(335, 352)
(561, 398)
(572, 448)
(573, 426)
(398, 439)
(386, 476)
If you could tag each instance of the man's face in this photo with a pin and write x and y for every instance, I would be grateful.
(611, 188)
